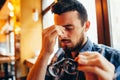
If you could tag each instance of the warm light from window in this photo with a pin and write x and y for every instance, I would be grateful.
(17, 30)
(10, 6)
(35, 15)
(11, 13)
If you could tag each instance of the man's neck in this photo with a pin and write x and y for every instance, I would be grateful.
(74, 54)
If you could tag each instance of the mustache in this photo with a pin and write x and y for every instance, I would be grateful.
(65, 40)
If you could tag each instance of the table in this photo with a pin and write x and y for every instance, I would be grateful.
(30, 62)
(6, 60)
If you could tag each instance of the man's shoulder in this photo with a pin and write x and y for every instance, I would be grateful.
(106, 48)
(111, 54)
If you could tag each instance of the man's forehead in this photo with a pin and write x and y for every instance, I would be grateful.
(70, 15)
(66, 14)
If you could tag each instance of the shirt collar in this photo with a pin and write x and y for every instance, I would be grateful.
(88, 46)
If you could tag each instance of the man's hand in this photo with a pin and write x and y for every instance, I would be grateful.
(95, 66)
(49, 36)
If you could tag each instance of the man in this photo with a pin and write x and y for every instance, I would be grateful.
(71, 26)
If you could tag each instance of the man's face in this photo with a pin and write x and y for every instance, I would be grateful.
(74, 33)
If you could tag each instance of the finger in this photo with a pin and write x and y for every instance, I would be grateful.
(93, 59)
(90, 76)
(93, 69)
(96, 59)
(54, 28)
(82, 55)
(49, 30)
(48, 33)
(81, 59)
(89, 54)
(49, 42)
(86, 53)
(54, 35)
(60, 30)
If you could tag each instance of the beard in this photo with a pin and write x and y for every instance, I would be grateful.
(77, 47)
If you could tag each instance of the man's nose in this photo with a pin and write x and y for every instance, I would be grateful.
(61, 32)
(64, 34)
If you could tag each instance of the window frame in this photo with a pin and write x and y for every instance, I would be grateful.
(103, 27)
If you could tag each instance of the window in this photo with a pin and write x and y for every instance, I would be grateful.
(47, 14)
(114, 18)
(91, 9)
(48, 20)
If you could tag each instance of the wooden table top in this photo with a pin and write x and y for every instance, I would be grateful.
(30, 62)
(6, 59)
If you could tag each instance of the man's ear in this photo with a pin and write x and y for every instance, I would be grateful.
(87, 26)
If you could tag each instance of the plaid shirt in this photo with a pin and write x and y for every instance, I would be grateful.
(112, 55)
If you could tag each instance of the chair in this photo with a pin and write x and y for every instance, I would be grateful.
(7, 68)
(7, 72)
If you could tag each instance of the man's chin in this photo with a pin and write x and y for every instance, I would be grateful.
(67, 48)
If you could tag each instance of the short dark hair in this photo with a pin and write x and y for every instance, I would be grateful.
(62, 6)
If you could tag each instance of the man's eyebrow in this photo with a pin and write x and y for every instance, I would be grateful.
(67, 25)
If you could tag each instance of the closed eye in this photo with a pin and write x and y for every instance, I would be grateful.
(68, 27)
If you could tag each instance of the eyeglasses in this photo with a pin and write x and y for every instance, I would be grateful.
(67, 65)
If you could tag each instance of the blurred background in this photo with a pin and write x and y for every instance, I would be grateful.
(21, 24)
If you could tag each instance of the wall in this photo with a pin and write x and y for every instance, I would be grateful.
(30, 39)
